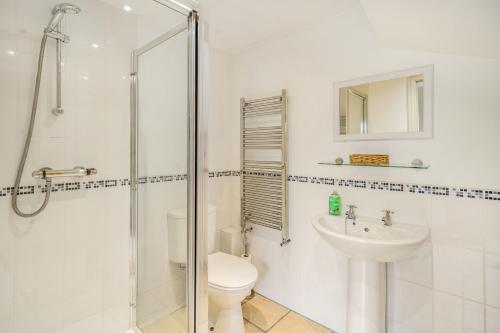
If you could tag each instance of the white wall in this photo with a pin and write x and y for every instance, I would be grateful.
(455, 279)
(223, 127)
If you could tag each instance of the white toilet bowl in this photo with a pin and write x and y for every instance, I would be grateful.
(230, 280)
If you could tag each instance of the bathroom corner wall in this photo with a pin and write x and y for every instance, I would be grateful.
(453, 284)
(223, 127)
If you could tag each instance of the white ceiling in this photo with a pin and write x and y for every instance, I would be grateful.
(236, 24)
(462, 27)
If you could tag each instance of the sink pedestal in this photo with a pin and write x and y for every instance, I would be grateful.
(366, 297)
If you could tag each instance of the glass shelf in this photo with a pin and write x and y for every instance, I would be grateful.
(391, 165)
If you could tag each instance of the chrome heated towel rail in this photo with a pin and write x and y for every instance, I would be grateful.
(264, 160)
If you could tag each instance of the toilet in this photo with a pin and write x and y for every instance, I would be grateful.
(230, 278)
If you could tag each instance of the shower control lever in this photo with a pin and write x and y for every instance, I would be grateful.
(48, 173)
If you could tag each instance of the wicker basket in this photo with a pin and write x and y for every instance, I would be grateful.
(369, 159)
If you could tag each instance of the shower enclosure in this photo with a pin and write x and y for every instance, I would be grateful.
(118, 92)
(164, 148)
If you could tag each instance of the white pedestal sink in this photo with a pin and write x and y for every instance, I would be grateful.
(369, 245)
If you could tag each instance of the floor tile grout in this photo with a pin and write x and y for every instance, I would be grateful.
(276, 323)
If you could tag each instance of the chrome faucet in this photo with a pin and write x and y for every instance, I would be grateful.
(350, 214)
(386, 219)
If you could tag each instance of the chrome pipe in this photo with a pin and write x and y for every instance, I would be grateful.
(270, 172)
(261, 172)
(251, 143)
(263, 136)
(269, 210)
(262, 204)
(262, 139)
(263, 175)
(47, 173)
(261, 113)
(256, 212)
(263, 162)
(269, 167)
(259, 181)
(264, 224)
(271, 137)
(276, 180)
(265, 192)
(256, 100)
(275, 101)
(249, 129)
(260, 146)
(262, 191)
(271, 187)
(58, 110)
(262, 131)
(261, 184)
(262, 108)
(271, 200)
(270, 223)
(261, 142)
(262, 187)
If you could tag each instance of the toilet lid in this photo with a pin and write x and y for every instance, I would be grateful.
(227, 271)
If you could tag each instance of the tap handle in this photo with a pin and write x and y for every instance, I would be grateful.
(387, 211)
(350, 211)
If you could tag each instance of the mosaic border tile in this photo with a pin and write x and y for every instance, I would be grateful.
(449, 191)
(227, 173)
(417, 189)
(106, 183)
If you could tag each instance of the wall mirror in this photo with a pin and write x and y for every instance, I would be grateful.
(394, 105)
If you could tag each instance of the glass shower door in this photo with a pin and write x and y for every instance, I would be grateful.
(162, 181)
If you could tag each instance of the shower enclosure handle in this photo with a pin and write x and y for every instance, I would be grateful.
(48, 173)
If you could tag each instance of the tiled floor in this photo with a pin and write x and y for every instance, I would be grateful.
(171, 323)
(261, 315)
(264, 315)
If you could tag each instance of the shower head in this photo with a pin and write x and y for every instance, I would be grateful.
(58, 12)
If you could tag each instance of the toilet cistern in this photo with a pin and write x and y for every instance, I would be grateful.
(230, 278)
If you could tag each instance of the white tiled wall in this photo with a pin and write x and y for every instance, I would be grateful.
(453, 284)
(223, 128)
(67, 270)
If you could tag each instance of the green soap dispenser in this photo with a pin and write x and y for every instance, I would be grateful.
(334, 204)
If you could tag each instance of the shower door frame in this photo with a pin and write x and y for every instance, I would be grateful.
(196, 293)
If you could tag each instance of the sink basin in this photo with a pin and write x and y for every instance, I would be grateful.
(369, 239)
(369, 245)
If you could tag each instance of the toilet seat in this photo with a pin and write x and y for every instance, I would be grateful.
(229, 272)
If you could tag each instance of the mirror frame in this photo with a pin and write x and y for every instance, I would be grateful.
(426, 71)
